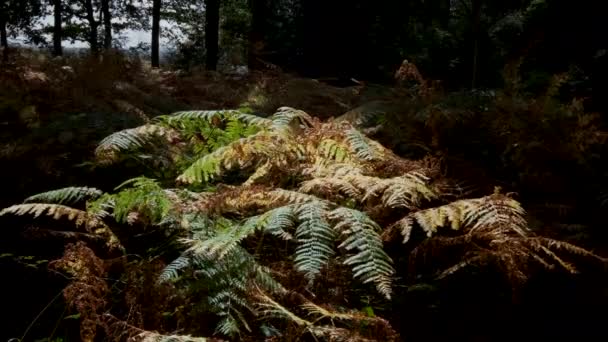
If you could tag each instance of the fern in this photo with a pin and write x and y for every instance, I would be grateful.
(486, 212)
(69, 196)
(92, 224)
(149, 336)
(145, 197)
(358, 142)
(370, 263)
(290, 119)
(129, 140)
(315, 239)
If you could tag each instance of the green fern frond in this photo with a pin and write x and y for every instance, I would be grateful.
(254, 120)
(69, 195)
(370, 263)
(360, 145)
(145, 196)
(315, 238)
(171, 271)
(129, 140)
(206, 115)
(334, 150)
(204, 169)
(276, 222)
(224, 242)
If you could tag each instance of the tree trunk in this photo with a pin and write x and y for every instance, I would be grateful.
(476, 19)
(57, 29)
(156, 33)
(107, 23)
(212, 25)
(92, 27)
(4, 40)
(257, 32)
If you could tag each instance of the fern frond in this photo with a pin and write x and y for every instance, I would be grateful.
(204, 169)
(270, 308)
(145, 196)
(471, 214)
(91, 223)
(501, 210)
(315, 239)
(56, 211)
(333, 150)
(224, 242)
(277, 221)
(294, 197)
(207, 115)
(129, 140)
(170, 272)
(287, 118)
(69, 195)
(253, 120)
(360, 145)
(370, 263)
(407, 191)
(148, 336)
(330, 186)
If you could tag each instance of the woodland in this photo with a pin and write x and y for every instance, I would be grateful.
(303, 170)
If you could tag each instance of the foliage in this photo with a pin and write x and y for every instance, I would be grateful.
(263, 210)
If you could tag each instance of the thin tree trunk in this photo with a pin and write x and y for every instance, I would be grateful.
(107, 24)
(4, 40)
(156, 33)
(57, 29)
(476, 11)
(256, 35)
(92, 27)
(212, 23)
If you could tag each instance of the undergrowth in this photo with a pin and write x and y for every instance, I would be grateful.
(278, 228)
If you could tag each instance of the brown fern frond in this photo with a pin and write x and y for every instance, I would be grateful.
(87, 290)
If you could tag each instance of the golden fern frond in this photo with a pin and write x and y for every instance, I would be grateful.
(81, 218)
(260, 173)
(498, 209)
(270, 308)
(56, 211)
(330, 186)
(320, 169)
(148, 336)
(251, 151)
(69, 195)
(290, 119)
(407, 191)
(486, 213)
